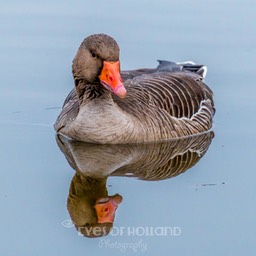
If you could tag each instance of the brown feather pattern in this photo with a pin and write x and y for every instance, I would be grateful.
(162, 105)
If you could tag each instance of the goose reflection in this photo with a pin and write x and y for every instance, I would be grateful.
(90, 207)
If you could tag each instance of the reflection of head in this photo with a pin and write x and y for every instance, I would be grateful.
(84, 195)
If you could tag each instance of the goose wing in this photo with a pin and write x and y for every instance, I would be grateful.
(179, 94)
(69, 110)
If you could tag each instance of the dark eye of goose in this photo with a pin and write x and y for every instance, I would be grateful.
(94, 55)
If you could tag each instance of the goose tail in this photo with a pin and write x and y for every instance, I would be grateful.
(186, 66)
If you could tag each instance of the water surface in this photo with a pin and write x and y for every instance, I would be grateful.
(211, 205)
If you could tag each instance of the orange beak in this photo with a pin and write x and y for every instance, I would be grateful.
(110, 78)
(106, 207)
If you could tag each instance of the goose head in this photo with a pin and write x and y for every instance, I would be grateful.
(97, 63)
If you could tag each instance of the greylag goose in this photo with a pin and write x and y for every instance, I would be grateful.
(145, 105)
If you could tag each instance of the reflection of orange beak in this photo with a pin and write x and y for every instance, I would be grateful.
(110, 78)
(106, 207)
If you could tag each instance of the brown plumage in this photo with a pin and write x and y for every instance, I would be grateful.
(170, 101)
(147, 161)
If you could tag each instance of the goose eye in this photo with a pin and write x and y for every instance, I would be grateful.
(94, 55)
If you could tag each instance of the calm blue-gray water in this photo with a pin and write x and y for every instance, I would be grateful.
(209, 209)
